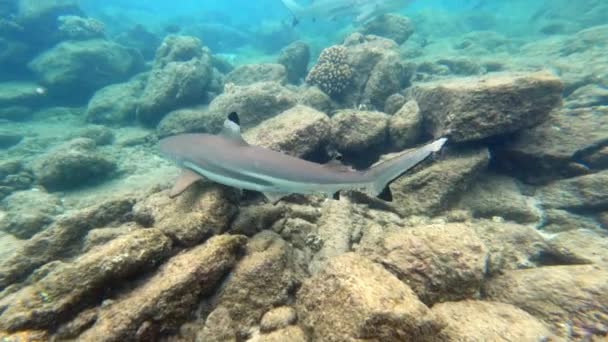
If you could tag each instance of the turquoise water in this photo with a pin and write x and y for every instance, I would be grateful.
(329, 170)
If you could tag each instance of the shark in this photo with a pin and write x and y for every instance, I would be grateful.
(226, 158)
(360, 10)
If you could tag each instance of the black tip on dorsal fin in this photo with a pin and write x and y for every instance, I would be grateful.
(234, 117)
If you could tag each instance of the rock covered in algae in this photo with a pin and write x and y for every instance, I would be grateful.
(377, 71)
(278, 318)
(73, 164)
(468, 109)
(392, 26)
(115, 104)
(569, 143)
(471, 320)
(355, 132)
(170, 295)
(571, 300)
(189, 120)
(584, 193)
(66, 69)
(405, 126)
(494, 195)
(581, 246)
(439, 185)
(355, 299)
(180, 77)
(253, 73)
(61, 238)
(295, 58)
(203, 210)
(28, 212)
(44, 303)
(73, 27)
(254, 103)
(298, 131)
(439, 262)
(264, 278)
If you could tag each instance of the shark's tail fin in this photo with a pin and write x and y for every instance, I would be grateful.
(385, 172)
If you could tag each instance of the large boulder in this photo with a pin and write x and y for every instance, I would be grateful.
(14, 176)
(377, 71)
(512, 246)
(189, 120)
(357, 134)
(75, 69)
(62, 238)
(568, 144)
(438, 186)
(295, 58)
(468, 109)
(500, 196)
(115, 104)
(471, 320)
(354, 299)
(170, 296)
(571, 300)
(582, 246)
(36, 12)
(28, 212)
(44, 303)
(252, 73)
(72, 164)
(584, 193)
(299, 131)
(392, 26)
(405, 126)
(180, 77)
(439, 262)
(73, 27)
(263, 279)
(203, 210)
(254, 103)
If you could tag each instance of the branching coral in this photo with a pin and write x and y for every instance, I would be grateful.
(332, 73)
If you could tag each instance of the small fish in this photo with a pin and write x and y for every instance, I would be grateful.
(360, 10)
(227, 159)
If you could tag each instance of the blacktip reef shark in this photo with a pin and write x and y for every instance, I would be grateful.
(360, 10)
(228, 159)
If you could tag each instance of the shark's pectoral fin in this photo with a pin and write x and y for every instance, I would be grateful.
(274, 197)
(187, 178)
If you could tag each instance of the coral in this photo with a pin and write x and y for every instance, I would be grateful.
(332, 73)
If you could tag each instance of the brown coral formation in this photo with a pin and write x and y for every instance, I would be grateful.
(332, 73)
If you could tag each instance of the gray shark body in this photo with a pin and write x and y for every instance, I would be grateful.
(359, 10)
(227, 159)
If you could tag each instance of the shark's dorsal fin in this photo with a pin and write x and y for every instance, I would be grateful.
(232, 128)
(187, 178)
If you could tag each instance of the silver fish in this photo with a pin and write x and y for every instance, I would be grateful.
(228, 159)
